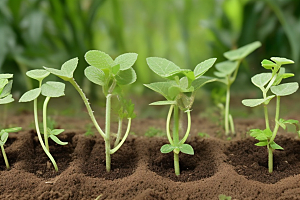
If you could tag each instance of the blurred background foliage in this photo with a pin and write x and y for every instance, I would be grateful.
(36, 33)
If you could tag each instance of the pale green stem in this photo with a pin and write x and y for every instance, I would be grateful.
(176, 164)
(124, 138)
(88, 107)
(227, 108)
(231, 124)
(119, 132)
(188, 112)
(45, 122)
(271, 83)
(168, 125)
(40, 137)
(176, 140)
(276, 119)
(107, 132)
(266, 116)
(270, 155)
(5, 157)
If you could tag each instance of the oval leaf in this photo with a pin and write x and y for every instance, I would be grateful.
(99, 59)
(7, 99)
(95, 75)
(53, 89)
(126, 77)
(162, 103)
(69, 67)
(61, 74)
(204, 66)
(282, 61)
(162, 66)
(30, 95)
(201, 81)
(225, 68)
(260, 80)
(13, 130)
(6, 76)
(4, 137)
(56, 131)
(256, 102)
(267, 64)
(126, 60)
(242, 52)
(161, 88)
(38, 74)
(7, 89)
(3, 83)
(58, 141)
(285, 89)
(187, 149)
(167, 148)
(275, 146)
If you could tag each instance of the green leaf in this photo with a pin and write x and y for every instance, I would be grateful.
(260, 80)
(201, 81)
(281, 123)
(95, 75)
(7, 99)
(282, 75)
(242, 52)
(7, 89)
(225, 68)
(3, 83)
(275, 146)
(6, 76)
(181, 73)
(262, 143)
(285, 89)
(13, 130)
(187, 149)
(4, 137)
(38, 74)
(204, 66)
(126, 77)
(61, 74)
(115, 69)
(291, 121)
(58, 141)
(167, 148)
(56, 131)
(267, 64)
(69, 67)
(126, 60)
(161, 88)
(99, 59)
(161, 103)
(281, 61)
(30, 95)
(173, 91)
(162, 66)
(256, 102)
(53, 89)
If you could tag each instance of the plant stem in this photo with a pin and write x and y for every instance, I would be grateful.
(270, 156)
(276, 119)
(188, 112)
(5, 157)
(88, 107)
(107, 132)
(176, 164)
(227, 107)
(124, 138)
(266, 116)
(176, 140)
(39, 135)
(119, 132)
(231, 124)
(45, 122)
(168, 124)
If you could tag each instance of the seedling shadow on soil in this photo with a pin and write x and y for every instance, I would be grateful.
(251, 161)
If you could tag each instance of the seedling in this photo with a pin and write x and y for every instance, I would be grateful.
(112, 75)
(271, 82)
(6, 97)
(227, 72)
(48, 89)
(179, 91)
(224, 197)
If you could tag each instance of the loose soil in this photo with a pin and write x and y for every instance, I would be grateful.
(236, 168)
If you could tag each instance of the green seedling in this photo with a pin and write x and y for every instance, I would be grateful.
(271, 83)
(154, 132)
(179, 91)
(5, 98)
(227, 73)
(224, 197)
(49, 89)
(203, 135)
(112, 75)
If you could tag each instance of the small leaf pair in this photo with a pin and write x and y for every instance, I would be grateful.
(5, 88)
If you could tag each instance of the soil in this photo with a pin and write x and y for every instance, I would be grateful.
(236, 168)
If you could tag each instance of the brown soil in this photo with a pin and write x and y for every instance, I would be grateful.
(235, 168)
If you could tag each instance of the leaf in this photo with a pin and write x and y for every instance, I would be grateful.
(167, 148)
(95, 75)
(256, 102)
(56, 131)
(187, 149)
(7, 99)
(161, 103)
(281, 61)
(115, 69)
(69, 67)
(3, 83)
(204, 66)
(6, 76)
(285, 89)
(30, 95)
(99, 59)
(282, 75)
(53, 89)
(181, 73)
(262, 143)
(161, 88)
(13, 130)
(56, 140)
(38, 74)
(267, 64)
(201, 81)
(126, 77)
(162, 66)
(242, 52)
(260, 80)
(174, 91)
(126, 60)
(4, 137)
(7, 89)
(61, 74)
(275, 146)
(226, 68)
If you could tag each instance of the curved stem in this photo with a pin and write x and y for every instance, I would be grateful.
(276, 119)
(39, 135)
(45, 122)
(227, 107)
(88, 107)
(119, 132)
(188, 112)
(5, 157)
(168, 125)
(124, 138)
(107, 132)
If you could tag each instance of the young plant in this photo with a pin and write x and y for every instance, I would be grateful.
(48, 89)
(112, 75)
(271, 83)
(6, 97)
(179, 91)
(227, 72)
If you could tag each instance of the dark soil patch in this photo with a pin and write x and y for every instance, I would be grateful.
(252, 161)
